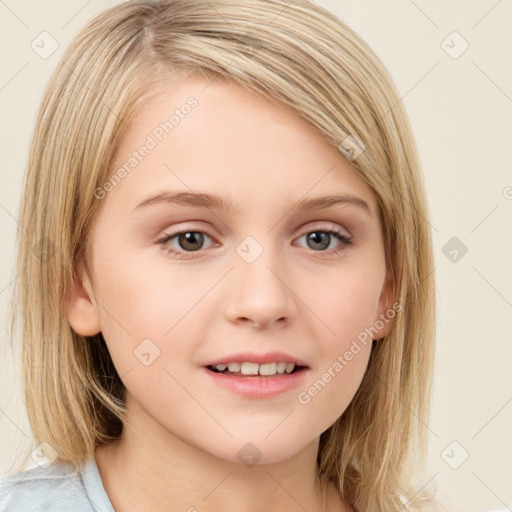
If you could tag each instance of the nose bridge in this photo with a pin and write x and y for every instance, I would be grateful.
(261, 293)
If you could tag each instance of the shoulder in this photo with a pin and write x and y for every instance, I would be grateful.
(55, 488)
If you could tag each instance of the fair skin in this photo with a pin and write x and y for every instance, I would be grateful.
(182, 433)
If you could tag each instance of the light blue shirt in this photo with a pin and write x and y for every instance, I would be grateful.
(55, 488)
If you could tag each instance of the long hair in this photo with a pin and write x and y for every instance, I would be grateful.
(299, 55)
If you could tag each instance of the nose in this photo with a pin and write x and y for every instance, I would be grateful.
(260, 294)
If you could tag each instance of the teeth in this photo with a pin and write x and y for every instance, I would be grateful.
(246, 368)
(268, 369)
(249, 368)
(234, 367)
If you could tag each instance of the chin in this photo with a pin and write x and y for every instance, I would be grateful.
(258, 452)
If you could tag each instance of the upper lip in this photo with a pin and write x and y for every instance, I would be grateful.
(253, 357)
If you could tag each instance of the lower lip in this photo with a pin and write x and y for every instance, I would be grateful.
(253, 386)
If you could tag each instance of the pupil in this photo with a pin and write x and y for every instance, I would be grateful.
(191, 237)
(319, 237)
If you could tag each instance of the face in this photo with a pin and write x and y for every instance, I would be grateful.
(178, 282)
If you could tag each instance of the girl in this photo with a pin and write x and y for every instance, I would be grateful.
(226, 291)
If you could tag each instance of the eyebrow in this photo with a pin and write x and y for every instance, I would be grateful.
(217, 203)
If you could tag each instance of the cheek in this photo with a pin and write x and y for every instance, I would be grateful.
(143, 300)
(343, 359)
(144, 294)
(346, 301)
(347, 306)
(328, 394)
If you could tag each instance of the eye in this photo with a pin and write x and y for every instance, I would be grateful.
(187, 241)
(320, 239)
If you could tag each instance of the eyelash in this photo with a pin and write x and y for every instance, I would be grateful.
(163, 242)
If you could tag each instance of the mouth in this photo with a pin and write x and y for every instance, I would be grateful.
(257, 380)
(257, 375)
(251, 369)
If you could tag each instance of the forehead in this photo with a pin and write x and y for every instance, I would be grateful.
(221, 137)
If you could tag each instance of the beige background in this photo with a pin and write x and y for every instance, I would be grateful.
(461, 110)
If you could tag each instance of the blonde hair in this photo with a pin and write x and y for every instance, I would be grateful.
(297, 54)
